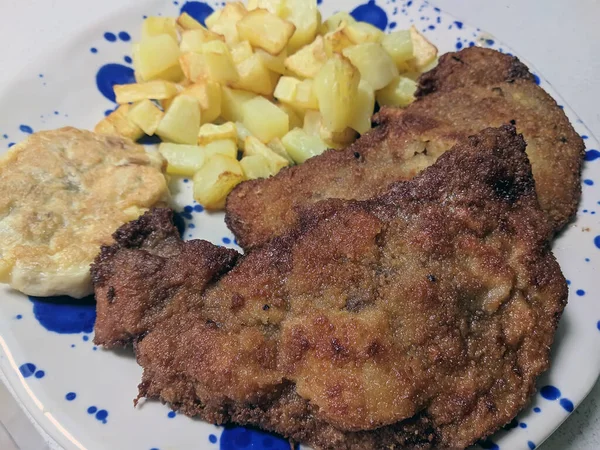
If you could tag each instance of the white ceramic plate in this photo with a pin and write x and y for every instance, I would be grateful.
(81, 397)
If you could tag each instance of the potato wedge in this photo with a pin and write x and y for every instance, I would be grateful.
(155, 26)
(400, 92)
(399, 46)
(181, 122)
(146, 115)
(156, 55)
(232, 101)
(118, 123)
(255, 77)
(215, 180)
(364, 108)
(192, 40)
(255, 167)
(210, 132)
(373, 62)
(208, 94)
(307, 61)
(265, 30)
(336, 87)
(264, 119)
(253, 146)
(183, 160)
(424, 51)
(305, 16)
(302, 146)
(151, 90)
(361, 32)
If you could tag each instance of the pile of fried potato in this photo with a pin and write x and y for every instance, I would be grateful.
(271, 80)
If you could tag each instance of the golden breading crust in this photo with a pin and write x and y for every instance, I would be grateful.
(416, 320)
(64, 192)
(487, 89)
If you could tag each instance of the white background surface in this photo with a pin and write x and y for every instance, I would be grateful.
(559, 37)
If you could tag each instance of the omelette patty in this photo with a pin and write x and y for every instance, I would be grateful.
(64, 192)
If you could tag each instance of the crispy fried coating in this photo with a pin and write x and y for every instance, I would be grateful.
(419, 319)
(486, 89)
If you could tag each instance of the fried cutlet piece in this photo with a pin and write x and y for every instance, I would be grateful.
(64, 193)
(404, 142)
(419, 319)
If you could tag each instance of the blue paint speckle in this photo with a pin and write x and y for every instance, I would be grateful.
(198, 10)
(171, 414)
(459, 45)
(185, 180)
(188, 210)
(191, 225)
(5, 136)
(56, 113)
(92, 410)
(592, 155)
(393, 25)
(27, 370)
(40, 374)
(65, 315)
(10, 144)
(212, 439)
(128, 59)
(588, 182)
(537, 410)
(110, 37)
(536, 79)
(523, 425)
(94, 50)
(124, 36)
(26, 129)
(102, 415)
(19, 316)
(598, 325)
(431, 27)
(567, 404)
(226, 240)
(490, 42)
(550, 393)
(531, 445)
(238, 438)
(71, 396)
(597, 241)
(198, 208)
(580, 292)
(110, 74)
(85, 338)
(458, 24)
(372, 14)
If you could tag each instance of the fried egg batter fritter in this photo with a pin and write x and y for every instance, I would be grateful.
(418, 319)
(64, 192)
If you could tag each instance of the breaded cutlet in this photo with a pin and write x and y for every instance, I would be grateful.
(418, 319)
(457, 99)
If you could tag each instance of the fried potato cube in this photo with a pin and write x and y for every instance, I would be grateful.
(306, 96)
(192, 40)
(156, 55)
(181, 122)
(336, 41)
(424, 51)
(146, 115)
(155, 26)
(276, 7)
(294, 118)
(255, 167)
(253, 146)
(226, 22)
(118, 123)
(286, 89)
(336, 87)
(210, 132)
(225, 147)
(400, 92)
(208, 94)
(219, 63)
(264, 119)
(242, 134)
(152, 90)
(361, 32)
(275, 63)
(299, 94)
(399, 46)
(364, 107)
(215, 180)
(241, 51)
(265, 30)
(313, 125)
(373, 62)
(304, 14)
(183, 160)
(187, 22)
(302, 146)
(277, 146)
(211, 19)
(232, 101)
(255, 77)
(334, 21)
(307, 61)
